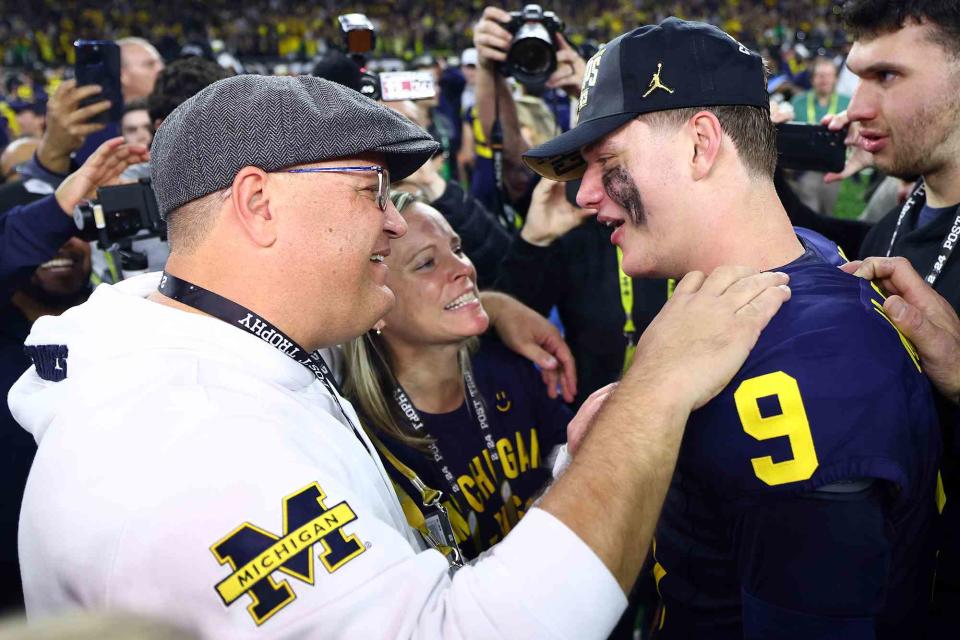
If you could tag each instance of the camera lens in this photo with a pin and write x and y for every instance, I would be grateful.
(532, 57)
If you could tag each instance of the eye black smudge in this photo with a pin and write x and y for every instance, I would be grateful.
(621, 188)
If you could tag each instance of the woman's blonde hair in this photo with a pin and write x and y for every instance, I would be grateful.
(369, 381)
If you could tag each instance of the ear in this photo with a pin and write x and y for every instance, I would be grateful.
(706, 135)
(380, 325)
(251, 206)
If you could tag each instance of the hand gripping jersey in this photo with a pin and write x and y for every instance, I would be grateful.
(804, 503)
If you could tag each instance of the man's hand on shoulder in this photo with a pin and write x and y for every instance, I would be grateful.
(922, 315)
(705, 332)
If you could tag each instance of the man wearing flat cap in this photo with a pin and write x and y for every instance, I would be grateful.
(214, 476)
(805, 496)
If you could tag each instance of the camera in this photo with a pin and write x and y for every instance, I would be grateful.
(120, 212)
(359, 37)
(532, 57)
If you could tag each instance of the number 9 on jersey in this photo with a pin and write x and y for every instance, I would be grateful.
(791, 422)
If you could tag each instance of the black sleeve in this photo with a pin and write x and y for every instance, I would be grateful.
(30, 235)
(814, 566)
(848, 234)
(531, 274)
(485, 241)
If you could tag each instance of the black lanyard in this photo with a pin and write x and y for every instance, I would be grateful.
(241, 317)
(917, 199)
(475, 407)
(434, 524)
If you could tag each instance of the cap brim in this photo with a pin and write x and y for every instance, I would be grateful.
(403, 158)
(560, 159)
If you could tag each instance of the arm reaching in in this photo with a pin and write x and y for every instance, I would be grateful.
(922, 315)
(531, 335)
(690, 351)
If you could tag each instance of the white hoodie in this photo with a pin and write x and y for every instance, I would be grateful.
(190, 471)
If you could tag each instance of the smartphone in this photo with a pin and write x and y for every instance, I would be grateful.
(810, 147)
(98, 62)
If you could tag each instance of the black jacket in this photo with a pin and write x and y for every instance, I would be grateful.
(920, 246)
(578, 273)
(30, 235)
(485, 241)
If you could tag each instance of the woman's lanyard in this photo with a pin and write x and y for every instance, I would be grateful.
(812, 110)
(475, 407)
(433, 525)
(433, 520)
(916, 200)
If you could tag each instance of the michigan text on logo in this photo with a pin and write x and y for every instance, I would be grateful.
(255, 554)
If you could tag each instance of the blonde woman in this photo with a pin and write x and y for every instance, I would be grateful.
(454, 407)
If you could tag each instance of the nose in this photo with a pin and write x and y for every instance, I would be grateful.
(393, 223)
(591, 188)
(863, 104)
(462, 267)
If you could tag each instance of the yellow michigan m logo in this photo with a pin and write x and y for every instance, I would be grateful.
(255, 554)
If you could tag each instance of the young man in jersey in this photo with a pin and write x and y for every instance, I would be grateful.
(803, 503)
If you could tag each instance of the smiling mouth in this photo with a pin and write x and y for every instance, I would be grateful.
(58, 263)
(461, 301)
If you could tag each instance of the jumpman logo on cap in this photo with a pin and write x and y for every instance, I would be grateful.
(655, 82)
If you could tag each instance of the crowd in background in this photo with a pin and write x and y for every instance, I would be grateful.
(285, 38)
(43, 33)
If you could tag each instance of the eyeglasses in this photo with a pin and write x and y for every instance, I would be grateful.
(383, 187)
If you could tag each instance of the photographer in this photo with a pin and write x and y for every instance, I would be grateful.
(485, 240)
(177, 82)
(561, 258)
(811, 107)
(494, 101)
(905, 117)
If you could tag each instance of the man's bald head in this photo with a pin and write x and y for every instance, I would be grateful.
(16, 153)
(140, 62)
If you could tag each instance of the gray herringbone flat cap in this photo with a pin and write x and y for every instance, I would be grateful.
(274, 122)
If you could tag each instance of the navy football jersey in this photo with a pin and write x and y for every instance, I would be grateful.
(804, 499)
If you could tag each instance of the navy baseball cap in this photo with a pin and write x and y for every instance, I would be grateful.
(672, 65)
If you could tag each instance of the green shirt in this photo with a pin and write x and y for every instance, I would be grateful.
(806, 105)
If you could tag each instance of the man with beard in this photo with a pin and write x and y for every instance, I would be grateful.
(906, 120)
(907, 114)
(803, 501)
